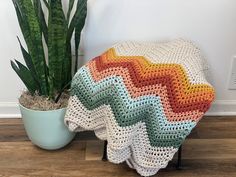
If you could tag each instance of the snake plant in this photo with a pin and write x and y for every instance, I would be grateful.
(48, 33)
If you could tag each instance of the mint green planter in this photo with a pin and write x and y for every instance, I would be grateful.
(46, 129)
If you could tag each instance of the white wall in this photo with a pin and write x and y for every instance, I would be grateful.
(9, 49)
(211, 24)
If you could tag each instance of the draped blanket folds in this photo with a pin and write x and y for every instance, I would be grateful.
(143, 98)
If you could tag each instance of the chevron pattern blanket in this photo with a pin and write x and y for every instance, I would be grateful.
(143, 98)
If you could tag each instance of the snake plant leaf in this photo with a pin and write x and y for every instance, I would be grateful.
(57, 29)
(68, 59)
(78, 28)
(29, 64)
(33, 38)
(80, 14)
(71, 5)
(25, 75)
(41, 19)
(46, 3)
(67, 66)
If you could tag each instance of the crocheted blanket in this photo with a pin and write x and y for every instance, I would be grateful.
(143, 98)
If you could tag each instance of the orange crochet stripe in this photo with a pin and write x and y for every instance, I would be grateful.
(146, 72)
(135, 92)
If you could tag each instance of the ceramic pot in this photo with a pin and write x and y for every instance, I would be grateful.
(46, 129)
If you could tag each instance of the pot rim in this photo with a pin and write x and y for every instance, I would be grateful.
(32, 110)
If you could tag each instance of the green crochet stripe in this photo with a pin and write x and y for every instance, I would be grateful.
(127, 111)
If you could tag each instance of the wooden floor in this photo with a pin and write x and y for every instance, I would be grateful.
(210, 151)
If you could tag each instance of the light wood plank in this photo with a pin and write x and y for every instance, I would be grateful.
(209, 149)
(192, 168)
(11, 121)
(216, 129)
(25, 154)
(94, 150)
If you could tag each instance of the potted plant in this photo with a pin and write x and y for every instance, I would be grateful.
(49, 66)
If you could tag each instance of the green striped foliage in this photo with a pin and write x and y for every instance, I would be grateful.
(51, 77)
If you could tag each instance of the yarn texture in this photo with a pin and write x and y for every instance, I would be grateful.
(143, 98)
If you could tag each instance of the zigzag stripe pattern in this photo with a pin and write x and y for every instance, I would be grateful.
(111, 91)
(155, 104)
(144, 73)
(146, 90)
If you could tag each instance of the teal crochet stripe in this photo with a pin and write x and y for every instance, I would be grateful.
(127, 111)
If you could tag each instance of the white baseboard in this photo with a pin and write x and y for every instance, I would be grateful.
(222, 108)
(218, 108)
(9, 110)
